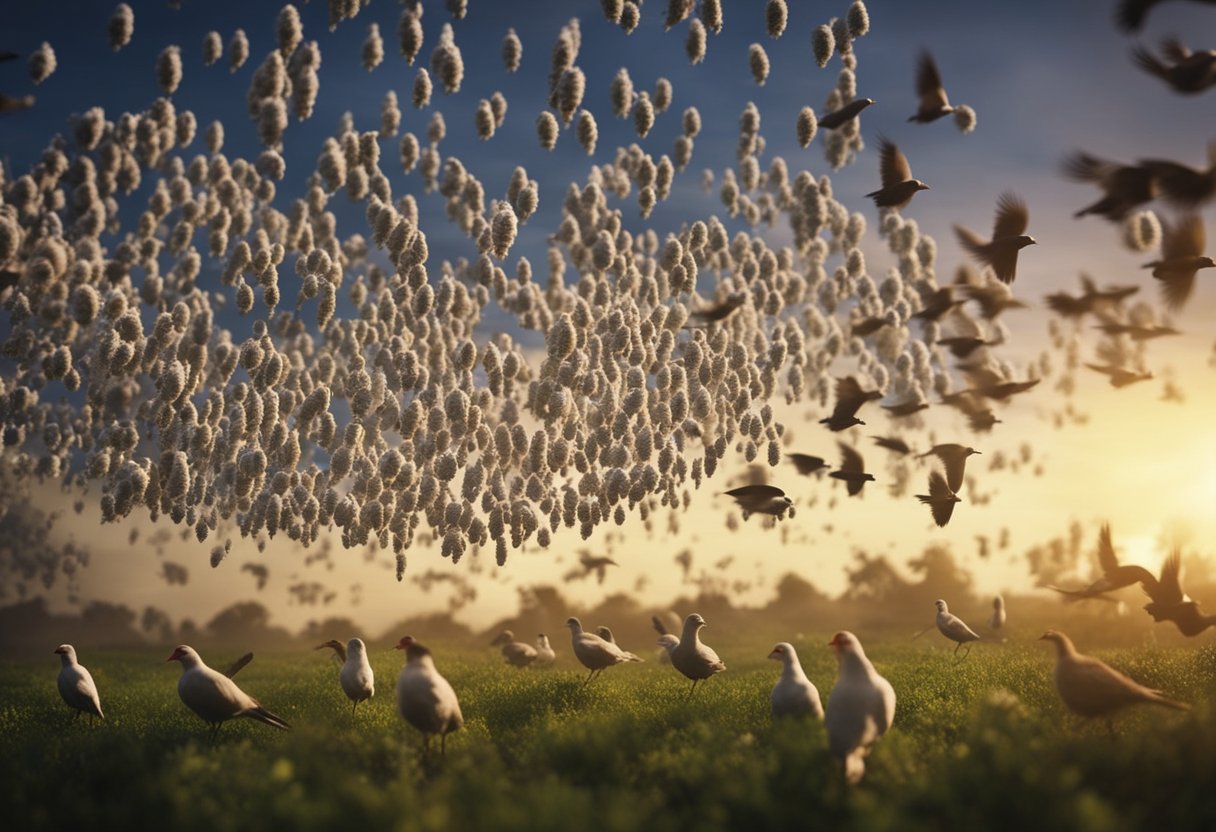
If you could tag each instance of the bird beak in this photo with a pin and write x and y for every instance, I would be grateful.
(1042, 637)
(173, 657)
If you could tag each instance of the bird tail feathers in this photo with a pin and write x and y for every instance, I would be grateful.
(1161, 699)
(969, 240)
(262, 715)
(632, 657)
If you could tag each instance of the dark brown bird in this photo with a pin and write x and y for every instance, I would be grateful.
(990, 384)
(979, 416)
(1169, 603)
(940, 499)
(933, 101)
(1120, 377)
(867, 326)
(1182, 185)
(1008, 237)
(893, 444)
(993, 299)
(1092, 299)
(716, 312)
(1137, 332)
(1114, 576)
(849, 111)
(807, 464)
(1184, 71)
(13, 104)
(760, 499)
(898, 186)
(954, 459)
(849, 399)
(852, 470)
(1182, 256)
(1130, 14)
(937, 304)
(1125, 186)
(962, 346)
(905, 408)
(338, 647)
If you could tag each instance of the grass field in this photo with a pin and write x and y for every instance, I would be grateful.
(981, 743)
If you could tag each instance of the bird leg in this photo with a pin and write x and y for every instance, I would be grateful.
(960, 644)
(353, 707)
(588, 679)
(693, 688)
(443, 744)
(215, 729)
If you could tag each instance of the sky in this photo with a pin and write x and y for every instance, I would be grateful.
(1045, 78)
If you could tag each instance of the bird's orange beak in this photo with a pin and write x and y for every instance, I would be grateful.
(176, 655)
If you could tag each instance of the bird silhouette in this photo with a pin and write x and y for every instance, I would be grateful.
(834, 119)
(1183, 186)
(1130, 14)
(760, 499)
(1120, 377)
(1114, 575)
(852, 470)
(954, 458)
(716, 312)
(940, 499)
(1008, 237)
(1182, 257)
(893, 444)
(1184, 71)
(849, 399)
(938, 303)
(898, 186)
(1169, 603)
(807, 464)
(1125, 187)
(933, 101)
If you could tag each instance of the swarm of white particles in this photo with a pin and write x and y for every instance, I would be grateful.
(238, 50)
(213, 48)
(421, 95)
(643, 114)
(823, 44)
(169, 69)
(612, 10)
(588, 132)
(964, 118)
(42, 63)
(409, 35)
(621, 93)
(696, 42)
(1142, 231)
(121, 26)
(340, 10)
(373, 48)
(711, 15)
(776, 14)
(758, 60)
(483, 120)
(631, 16)
(807, 126)
(546, 130)
(446, 62)
(858, 19)
(512, 51)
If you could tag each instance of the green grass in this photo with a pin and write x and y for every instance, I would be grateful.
(981, 743)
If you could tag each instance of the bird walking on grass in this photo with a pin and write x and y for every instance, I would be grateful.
(516, 653)
(693, 658)
(76, 684)
(1092, 688)
(545, 654)
(1008, 238)
(794, 695)
(996, 622)
(593, 652)
(357, 679)
(425, 699)
(860, 708)
(954, 628)
(898, 185)
(215, 697)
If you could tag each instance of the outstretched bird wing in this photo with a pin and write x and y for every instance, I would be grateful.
(1106, 550)
(1012, 216)
(929, 84)
(851, 461)
(237, 665)
(894, 167)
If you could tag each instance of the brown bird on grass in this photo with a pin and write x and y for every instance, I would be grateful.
(849, 111)
(1124, 186)
(1114, 575)
(1130, 14)
(1182, 256)
(1008, 238)
(1184, 71)
(933, 101)
(1169, 603)
(898, 186)
(954, 458)
(849, 399)
(940, 499)
(852, 470)
(806, 464)
(1120, 377)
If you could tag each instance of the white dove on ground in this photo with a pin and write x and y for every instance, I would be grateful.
(692, 658)
(424, 698)
(215, 697)
(860, 709)
(356, 675)
(1090, 687)
(793, 695)
(516, 653)
(545, 655)
(76, 683)
(595, 653)
(954, 628)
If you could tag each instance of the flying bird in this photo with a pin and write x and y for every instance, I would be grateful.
(938, 303)
(1090, 687)
(215, 697)
(76, 684)
(954, 628)
(898, 186)
(1185, 71)
(1120, 377)
(1114, 575)
(851, 470)
(1183, 186)
(691, 657)
(760, 499)
(589, 564)
(1125, 187)
(794, 695)
(593, 652)
(1182, 256)
(1008, 237)
(849, 399)
(1169, 603)
(933, 101)
(908, 407)
(807, 464)
(515, 653)
(834, 119)
(940, 499)
(716, 312)
(1130, 14)
(860, 708)
(1137, 332)
(893, 444)
(425, 699)
(954, 457)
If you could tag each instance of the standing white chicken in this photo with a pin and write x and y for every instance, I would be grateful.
(76, 683)
(545, 654)
(424, 698)
(595, 653)
(860, 709)
(516, 653)
(794, 694)
(954, 628)
(356, 676)
(215, 697)
(695, 660)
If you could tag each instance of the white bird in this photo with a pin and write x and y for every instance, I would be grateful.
(692, 658)
(356, 675)
(860, 709)
(215, 697)
(545, 654)
(996, 622)
(76, 683)
(595, 653)
(424, 698)
(954, 628)
(668, 642)
(1090, 687)
(516, 653)
(794, 694)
